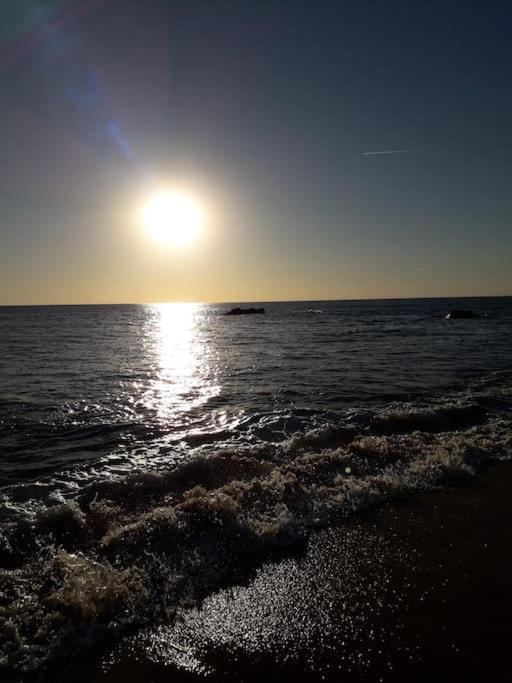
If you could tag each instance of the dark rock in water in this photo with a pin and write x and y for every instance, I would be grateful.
(461, 314)
(244, 311)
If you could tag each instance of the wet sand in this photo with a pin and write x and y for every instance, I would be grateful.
(415, 591)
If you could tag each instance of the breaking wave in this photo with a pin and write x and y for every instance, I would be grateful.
(121, 553)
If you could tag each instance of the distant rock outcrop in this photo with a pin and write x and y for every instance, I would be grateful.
(462, 314)
(245, 311)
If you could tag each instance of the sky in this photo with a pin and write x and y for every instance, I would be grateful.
(270, 113)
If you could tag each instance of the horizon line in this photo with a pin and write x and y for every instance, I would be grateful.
(262, 301)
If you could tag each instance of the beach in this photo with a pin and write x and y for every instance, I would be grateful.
(255, 341)
(417, 590)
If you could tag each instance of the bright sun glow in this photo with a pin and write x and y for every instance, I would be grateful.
(172, 218)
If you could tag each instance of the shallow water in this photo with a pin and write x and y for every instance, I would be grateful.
(146, 451)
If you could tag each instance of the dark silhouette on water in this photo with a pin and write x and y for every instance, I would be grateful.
(245, 311)
(462, 314)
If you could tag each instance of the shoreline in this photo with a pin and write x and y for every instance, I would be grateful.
(417, 589)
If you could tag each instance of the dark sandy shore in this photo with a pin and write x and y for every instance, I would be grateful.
(418, 591)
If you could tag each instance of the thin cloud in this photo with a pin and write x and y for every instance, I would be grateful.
(387, 151)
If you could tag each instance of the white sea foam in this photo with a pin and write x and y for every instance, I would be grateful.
(125, 551)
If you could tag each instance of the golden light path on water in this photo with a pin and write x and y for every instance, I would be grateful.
(184, 379)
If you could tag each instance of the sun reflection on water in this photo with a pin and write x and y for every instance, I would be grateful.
(184, 378)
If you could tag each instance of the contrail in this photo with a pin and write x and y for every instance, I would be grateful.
(387, 151)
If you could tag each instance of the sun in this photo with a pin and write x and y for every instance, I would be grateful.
(172, 217)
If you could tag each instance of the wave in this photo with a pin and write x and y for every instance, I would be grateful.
(34, 448)
(125, 552)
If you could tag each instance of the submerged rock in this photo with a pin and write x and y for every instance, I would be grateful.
(462, 314)
(244, 311)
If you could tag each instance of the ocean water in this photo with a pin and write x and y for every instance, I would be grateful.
(147, 450)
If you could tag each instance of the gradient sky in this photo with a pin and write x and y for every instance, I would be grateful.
(265, 109)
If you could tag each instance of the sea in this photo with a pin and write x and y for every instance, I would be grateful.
(149, 451)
